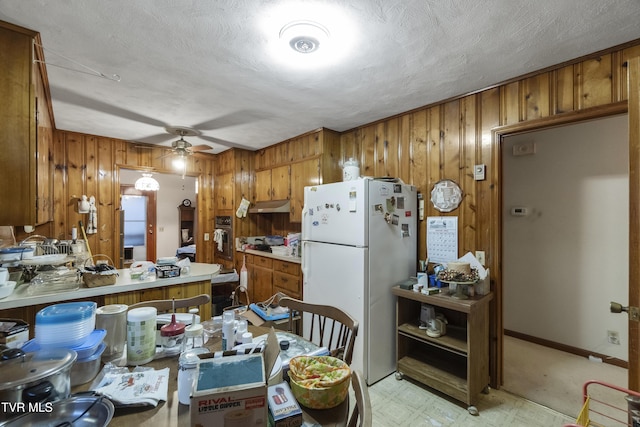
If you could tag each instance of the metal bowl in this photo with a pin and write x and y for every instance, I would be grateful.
(77, 411)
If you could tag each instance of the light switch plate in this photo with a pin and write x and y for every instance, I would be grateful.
(206, 237)
(479, 172)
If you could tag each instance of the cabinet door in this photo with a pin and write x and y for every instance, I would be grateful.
(260, 285)
(280, 183)
(224, 191)
(303, 174)
(263, 186)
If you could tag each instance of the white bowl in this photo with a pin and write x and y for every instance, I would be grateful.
(6, 289)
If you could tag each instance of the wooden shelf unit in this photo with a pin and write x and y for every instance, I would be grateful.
(457, 363)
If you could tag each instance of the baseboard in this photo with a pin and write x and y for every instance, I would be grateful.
(568, 349)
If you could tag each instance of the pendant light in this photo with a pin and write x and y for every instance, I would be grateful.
(147, 183)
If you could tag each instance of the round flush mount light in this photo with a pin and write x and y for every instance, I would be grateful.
(304, 36)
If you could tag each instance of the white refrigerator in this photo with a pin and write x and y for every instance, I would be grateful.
(359, 239)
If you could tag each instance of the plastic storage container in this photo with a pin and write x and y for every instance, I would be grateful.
(86, 369)
(65, 325)
(84, 350)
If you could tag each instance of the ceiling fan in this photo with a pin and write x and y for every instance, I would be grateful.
(181, 147)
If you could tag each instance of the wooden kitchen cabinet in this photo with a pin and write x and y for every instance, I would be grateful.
(28, 200)
(272, 184)
(456, 363)
(268, 276)
(286, 278)
(260, 272)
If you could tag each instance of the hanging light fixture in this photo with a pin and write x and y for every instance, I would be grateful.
(147, 183)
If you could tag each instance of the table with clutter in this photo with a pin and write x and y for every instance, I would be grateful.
(173, 413)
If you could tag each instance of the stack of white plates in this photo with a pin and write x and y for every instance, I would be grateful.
(65, 325)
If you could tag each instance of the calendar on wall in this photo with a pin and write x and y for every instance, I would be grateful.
(442, 238)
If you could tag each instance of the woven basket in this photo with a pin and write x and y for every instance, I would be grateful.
(93, 279)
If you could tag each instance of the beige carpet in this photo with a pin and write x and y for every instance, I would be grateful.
(554, 379)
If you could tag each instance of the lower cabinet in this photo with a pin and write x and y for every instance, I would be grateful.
(456, 363)
(179, 291)
(268, 276)
(184, 290)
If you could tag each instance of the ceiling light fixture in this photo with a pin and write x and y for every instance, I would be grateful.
(147, 183)
(304, 36)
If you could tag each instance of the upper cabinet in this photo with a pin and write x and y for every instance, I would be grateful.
(309, 159)
(224, 191)
(272, 184)
(27, 132)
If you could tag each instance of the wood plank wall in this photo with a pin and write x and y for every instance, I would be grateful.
(90, 165)
(446, 140)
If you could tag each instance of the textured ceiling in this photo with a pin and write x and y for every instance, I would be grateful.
(210, 64)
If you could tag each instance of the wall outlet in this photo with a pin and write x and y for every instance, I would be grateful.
(480, 257)
(613, 337)
(206, 237)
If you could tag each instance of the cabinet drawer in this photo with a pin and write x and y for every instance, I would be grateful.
(264, 262)
(286, 267)
(286, 281)
(287, 292)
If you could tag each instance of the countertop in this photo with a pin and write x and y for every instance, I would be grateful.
(124, 283)
(294, 259)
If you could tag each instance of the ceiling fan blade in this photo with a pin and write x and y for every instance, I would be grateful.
(201, 147)
(225, 143)
(165, 156)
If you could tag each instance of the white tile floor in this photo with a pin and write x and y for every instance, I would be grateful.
(400, 403)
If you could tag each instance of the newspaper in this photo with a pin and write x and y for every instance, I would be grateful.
(137, 388)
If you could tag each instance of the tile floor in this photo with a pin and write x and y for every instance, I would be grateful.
(400, 403)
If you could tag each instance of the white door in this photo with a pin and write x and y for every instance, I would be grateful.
(336, 275)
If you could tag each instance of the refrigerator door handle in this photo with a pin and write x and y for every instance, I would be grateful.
(305, 269)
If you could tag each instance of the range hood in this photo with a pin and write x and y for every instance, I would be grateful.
(271, 206)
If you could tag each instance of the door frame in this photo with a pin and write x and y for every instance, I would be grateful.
(497, 137)
(129, 190)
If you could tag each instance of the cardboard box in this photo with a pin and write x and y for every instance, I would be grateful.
(284, 410)
(13, 332)
(231, 391)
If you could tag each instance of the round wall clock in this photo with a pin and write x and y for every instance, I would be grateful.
(186, 202)
(446, 195)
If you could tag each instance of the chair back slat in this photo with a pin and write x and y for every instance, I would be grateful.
(329, 326)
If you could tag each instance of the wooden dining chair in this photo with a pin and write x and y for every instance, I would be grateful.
(329, 326)
(361, 415)
(167, 305)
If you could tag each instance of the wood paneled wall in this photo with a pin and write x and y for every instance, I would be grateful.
(446, 140)
(90, 165)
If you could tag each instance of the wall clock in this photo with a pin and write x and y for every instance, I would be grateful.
(446, 195)
(186, 203)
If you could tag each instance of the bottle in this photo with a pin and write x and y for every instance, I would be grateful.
(187, 371)
(228, 325)
(243, 275)
(241, 330)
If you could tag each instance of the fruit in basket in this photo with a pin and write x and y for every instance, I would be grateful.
(319, 382)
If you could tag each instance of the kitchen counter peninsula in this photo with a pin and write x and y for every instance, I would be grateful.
(21, 305)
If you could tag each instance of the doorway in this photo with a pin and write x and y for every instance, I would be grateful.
(138, 224)
(565, 231)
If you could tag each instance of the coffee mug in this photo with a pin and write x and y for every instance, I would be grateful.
(4, 275)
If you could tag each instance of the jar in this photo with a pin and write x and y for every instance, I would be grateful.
(187, 371)
(193, 337)
(172, 336)
(350, 170)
